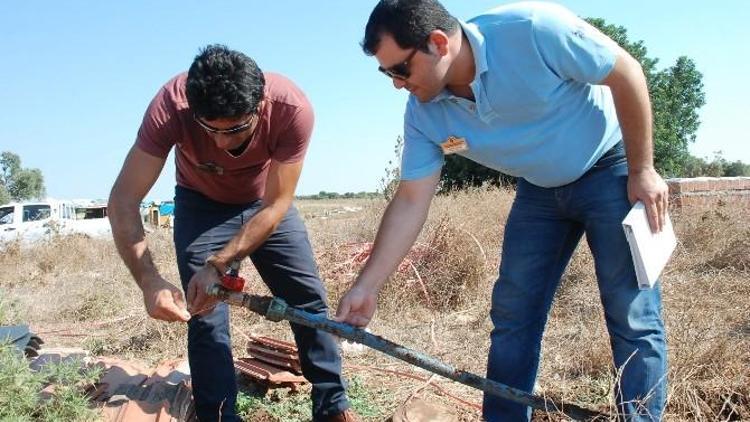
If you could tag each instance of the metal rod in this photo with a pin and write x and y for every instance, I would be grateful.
(276, 309)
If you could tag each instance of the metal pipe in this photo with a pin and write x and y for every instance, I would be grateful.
(276, 309)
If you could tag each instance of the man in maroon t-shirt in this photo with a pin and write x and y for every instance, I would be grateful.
(240, 136)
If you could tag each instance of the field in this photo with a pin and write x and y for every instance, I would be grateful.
(75, 291)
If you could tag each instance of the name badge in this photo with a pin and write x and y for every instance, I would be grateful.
(453, 145)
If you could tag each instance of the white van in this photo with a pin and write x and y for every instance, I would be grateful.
(33, 221)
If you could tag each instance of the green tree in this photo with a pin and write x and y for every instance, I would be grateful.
(459, 173)
(4, 195)
(736, 168)
(10, 164)
(718, 167)
(676, 96)
(700, 167)
(693, 166)
(19, 183)
(389, 182)
(27, 184)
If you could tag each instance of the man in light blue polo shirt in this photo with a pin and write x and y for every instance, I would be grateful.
(533, 91)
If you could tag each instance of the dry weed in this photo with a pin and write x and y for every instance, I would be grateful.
(712, 239)
(78, 292)
(441, 274)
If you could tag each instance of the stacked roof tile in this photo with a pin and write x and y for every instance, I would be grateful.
(273, 363)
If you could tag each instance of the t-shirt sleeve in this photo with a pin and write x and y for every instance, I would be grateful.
(571, 47)
(294, 140)
(420, 157)
(158, 131)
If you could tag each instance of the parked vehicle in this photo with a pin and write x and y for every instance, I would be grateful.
(30, 222)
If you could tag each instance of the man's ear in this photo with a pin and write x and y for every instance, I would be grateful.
(437, 43)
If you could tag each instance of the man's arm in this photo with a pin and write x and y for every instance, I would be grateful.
(399, 228)
(137, 176)
(279, 194)
(630, 94)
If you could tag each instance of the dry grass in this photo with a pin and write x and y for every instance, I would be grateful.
(438, 303)
(76, 291)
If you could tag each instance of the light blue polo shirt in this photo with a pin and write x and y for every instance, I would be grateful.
(537, 114)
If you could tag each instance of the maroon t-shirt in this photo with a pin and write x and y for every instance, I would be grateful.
(282, 134)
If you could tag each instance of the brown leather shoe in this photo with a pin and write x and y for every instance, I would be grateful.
(347, 415)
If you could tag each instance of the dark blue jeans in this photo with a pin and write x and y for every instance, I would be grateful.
(286, 264)
(543, 229)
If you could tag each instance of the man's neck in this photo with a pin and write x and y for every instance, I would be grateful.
(463, 69)
(237, 151)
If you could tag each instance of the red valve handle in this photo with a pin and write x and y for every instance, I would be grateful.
(233, 283)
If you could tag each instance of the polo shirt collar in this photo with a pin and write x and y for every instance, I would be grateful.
(478, 49)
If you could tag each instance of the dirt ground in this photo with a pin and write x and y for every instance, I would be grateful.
(76, 292)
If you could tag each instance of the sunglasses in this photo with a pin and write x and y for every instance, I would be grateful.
(229, 131)
(400, 70)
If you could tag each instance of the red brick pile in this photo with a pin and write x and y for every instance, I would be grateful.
(709, 192)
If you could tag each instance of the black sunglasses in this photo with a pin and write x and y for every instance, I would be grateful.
(400, 70)
(229, 131)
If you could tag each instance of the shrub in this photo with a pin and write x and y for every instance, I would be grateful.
(20, 389)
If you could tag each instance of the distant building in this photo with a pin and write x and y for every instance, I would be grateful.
(159, 214)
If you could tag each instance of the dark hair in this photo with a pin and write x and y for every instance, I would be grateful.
(223, 83)
(408, 21)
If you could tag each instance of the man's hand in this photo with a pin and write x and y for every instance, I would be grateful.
(630, 95)
(648, 187)
(199, 302)
(399, 228)
(164, 301)
(357, 306)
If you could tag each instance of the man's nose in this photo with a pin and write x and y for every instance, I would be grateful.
(398, 83)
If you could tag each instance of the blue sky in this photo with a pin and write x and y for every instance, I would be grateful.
(77, 76)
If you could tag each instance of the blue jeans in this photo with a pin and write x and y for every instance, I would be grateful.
(286, 264)
(543, 229)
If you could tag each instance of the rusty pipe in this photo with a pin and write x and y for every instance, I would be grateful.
(275, 309)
